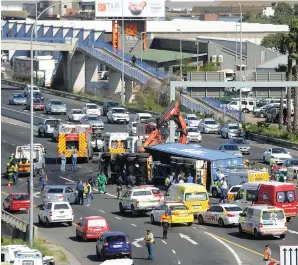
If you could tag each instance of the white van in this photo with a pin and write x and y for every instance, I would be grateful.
(143, 117)
(115, 142)
(20, 254)
(263, 220)
(246, 106)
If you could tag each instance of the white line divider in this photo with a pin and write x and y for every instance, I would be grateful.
(188, 239)
(117, 217)
(136, 242)
(70, 180)
(293, 232)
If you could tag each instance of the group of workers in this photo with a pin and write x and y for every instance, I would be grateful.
(276, 168)
(177, 178)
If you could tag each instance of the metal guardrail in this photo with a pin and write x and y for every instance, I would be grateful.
(14, 221)
(51, 40)
(275, 141)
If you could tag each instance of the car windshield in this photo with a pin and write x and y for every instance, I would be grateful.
(97, 223)
(91, 107)
(37, 100)
(145, 118)
(156, 191)
(239, 141)
(62, 206)
(192, 118)
(273, 215)
(77, 111)
(235, 189)
(36, 94)
(118, 110)
(56, 103)
(113, 104)
(210, 122)
(116, 238)
(93, 118)
(279, 151)
(233, 209)
(178, 207)
(233, 127)
(196, 196)
(21, 197)
(55, 190)
(53, 123)
(142, 193)
(18, 96)
(231, 147)
(134, 124)
(261, 104)
(193, 130)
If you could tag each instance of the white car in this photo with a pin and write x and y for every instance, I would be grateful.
(221, 214)
(138, 200)
(279, 154)
(118, 115)
(56, 212)
(229, 130)
(27, 90)
(192, 120)
(193, 134)
(208, 126)
(132, 128)
(92, 109)
(75, 114)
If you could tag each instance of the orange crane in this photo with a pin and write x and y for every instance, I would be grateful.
(172, 112)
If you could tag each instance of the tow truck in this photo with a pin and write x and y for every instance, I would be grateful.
(22, 156)
(127, 155)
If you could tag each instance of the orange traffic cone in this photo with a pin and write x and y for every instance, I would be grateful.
(9, 186)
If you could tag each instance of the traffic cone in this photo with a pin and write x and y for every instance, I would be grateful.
(9, 186)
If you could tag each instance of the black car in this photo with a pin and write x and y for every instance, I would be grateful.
(37, 95)
(109, 104)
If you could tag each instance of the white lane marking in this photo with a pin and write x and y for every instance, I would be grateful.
(51, 117)
(4, 141)
(101, 211)
(179, 261)
(173, 251)
(188, 239)
(22, 112)
(202, 227)
(36, 195)
(95, 189)
(25, 110)
(293, 232)
(163, 241)
(13, 144)
(133, 225)
(228, 247)
(117, 217)
(136, 242)
(195, 227)
(70, 180)
(90, 170)
(112, 195)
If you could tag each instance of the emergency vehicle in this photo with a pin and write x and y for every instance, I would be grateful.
(77, 138)
(279, 194)
(239, 177)
(22, 156)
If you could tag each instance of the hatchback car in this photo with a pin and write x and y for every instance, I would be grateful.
(37, 104)
(208, 126)
(94, 121)
(241, 143)
(229, 130)
(92, 227)
(193, 134)
(192, 120)
(59, 193)
(17, 99)
(231, 149)
(118, 115)
(92, 109)
(54, 106)
(113, 244)
(109, 104)
(280, 155)
(76, 114)
(16, 202)
(27, 90)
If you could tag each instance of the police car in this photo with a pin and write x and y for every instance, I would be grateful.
(221, 214)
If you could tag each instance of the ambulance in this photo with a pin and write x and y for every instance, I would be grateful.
(115, 142)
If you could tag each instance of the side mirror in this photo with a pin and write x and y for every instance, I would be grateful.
(242, 214)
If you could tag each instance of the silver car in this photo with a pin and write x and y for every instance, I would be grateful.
(17, 99)
(229, 130)
(76, 114)
(94, 121)
(241, 143)
(59, 193)
(230, 149)
(55, 106)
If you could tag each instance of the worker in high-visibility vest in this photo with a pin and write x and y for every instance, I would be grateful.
(267, 254)
(165, 222)
(15, 170)
(149, 244)
(10, 174)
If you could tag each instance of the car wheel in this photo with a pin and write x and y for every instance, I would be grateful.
(200, 220)
(69, 223)
(152, 219)
(282, 236)
(133, 211)
(97, 253)
(256, 234)
(240, 229)
(288, 219)
(48, 223)
(262, 115)
(189, 224)
(221, 223)
(77, 236)
(103, 256)
(215, 193)
(129, 256)
(39, 220)
(121, 209)
(84, 238)
(264, 159)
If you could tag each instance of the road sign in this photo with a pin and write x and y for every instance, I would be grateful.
(288, 255)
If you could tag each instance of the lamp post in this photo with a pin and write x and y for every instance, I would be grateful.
(123, 46)
(142, 46)
(240, 90)
(179, 30)
(197, 44)
(236, 57)
(32, 125)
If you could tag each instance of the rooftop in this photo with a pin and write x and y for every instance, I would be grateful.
(192, 151)
(283, 59)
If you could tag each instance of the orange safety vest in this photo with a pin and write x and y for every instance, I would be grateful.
(165, 219)
(267, 253)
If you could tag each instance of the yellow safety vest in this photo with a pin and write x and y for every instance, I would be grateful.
(149, 238)
(267, 253)
(167, 181)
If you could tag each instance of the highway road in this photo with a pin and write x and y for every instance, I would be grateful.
(214, 245)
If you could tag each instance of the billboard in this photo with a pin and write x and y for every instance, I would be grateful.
(131, 8)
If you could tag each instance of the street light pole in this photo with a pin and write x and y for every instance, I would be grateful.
(142, 46)
(236, 59)
(179, 30)
(123, 46)
(240, 90)
(36, 78)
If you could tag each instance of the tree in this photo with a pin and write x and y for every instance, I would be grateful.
(272, 41)
(256, 18)
(209, 67)
(282, 14)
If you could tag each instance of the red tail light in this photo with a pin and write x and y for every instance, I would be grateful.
(51, 214)
(72, 212)
(106, 244)
(137, 203)
(44, 196)
(61, 196)
(230, 215)
(260, 225)
(127, 242)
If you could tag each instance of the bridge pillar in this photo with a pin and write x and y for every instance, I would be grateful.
(114, 83)
(91, 72)
(128, 89)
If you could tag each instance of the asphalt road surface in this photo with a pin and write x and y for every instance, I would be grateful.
(208, 244)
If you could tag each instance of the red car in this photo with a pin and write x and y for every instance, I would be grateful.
(38, 104)
(91, 227)
(17, 202)
(156, 192)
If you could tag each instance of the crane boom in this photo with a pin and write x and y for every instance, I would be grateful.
(172, 111)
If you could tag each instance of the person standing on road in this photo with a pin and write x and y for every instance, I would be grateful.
(92, 183)
(10, 174)
(80, 189)
(165, 222)
(223, 190)
(271, 163)
(133, 59)
(119, 183)
(14, 168)
(167, 184)
(74, 159)
(149, 244)
(129, 182)
(63, 161)
(88, 194)
(189, 179)
(28, 185)
(43, 179)
(267, 254)
(102, 181)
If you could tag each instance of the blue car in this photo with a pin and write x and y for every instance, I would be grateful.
(113, 244)
(17, 99)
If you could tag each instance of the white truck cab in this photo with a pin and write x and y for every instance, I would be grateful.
(135, 142)
(143, 117)
(47, 127)
(115, 142)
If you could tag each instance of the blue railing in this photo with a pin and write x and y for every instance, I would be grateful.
(127, 57)
(51, 40)
(194, 106)
(116, 63)
(224, 108)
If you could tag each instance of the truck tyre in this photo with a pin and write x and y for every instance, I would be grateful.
(39, 133)
(179, 161)
(106, 154)
(130, 159)
(121, 209)
(215, 193)
(131, 155)
(143, 155)
(133, 211)
(142, 160)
